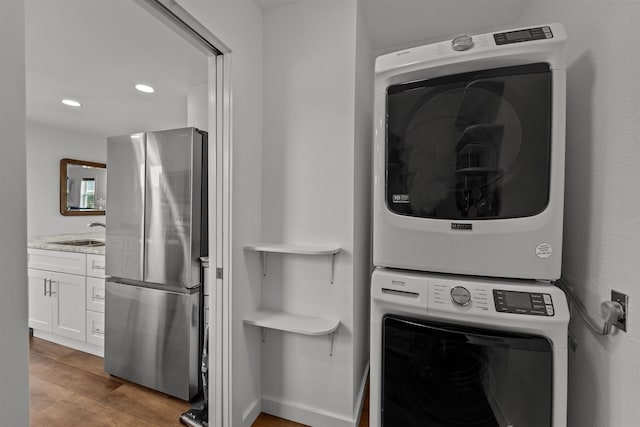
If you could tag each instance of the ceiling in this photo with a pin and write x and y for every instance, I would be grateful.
(397, 24)
(95, 51)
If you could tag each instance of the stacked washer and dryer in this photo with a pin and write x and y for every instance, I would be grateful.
(467, 328)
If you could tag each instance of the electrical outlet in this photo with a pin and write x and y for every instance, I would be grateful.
(623, 299)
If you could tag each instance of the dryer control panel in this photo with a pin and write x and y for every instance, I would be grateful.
(531, 303)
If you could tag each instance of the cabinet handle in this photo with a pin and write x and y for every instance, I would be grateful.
(98, 297)
(45, 287)
(97, 331)
(96, 267)
(50, 288)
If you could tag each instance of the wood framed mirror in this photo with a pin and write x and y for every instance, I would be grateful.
(83, 187)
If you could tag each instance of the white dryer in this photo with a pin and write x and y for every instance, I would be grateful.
(452, 351)
(469, 155)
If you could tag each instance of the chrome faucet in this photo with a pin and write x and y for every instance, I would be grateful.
(97, 224)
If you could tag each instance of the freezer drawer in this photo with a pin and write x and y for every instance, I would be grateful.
(152, 337)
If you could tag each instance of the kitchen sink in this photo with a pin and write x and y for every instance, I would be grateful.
(83, 242)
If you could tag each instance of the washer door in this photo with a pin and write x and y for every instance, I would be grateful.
(470, 146)
(440, 375)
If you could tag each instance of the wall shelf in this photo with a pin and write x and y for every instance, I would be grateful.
(282, 248)
(288, 322)
(295, 323)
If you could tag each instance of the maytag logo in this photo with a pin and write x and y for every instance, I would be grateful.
(459, 226)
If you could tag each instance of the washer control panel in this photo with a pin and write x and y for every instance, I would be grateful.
(460, 295)
(532, 303)
(456, 297)
(538, 33)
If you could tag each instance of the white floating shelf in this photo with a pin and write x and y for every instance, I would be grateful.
(296, 323)
(293, 249)
(283, 248)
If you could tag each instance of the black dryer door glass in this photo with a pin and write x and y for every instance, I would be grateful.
(436, 375)
(470, 146)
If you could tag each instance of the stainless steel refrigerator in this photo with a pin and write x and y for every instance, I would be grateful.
(156, 233)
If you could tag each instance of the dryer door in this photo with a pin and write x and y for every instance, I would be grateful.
(439, 375)
(470, 146)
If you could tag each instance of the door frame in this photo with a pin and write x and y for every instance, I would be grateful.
(219, 154)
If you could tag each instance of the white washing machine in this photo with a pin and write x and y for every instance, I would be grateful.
(469, 155)
(453, 351)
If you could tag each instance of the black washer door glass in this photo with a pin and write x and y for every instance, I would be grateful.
(436, 375)
(470, 146)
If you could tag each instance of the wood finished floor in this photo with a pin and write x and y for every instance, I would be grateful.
(70, 388)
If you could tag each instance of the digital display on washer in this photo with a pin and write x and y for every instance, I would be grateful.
(519, 35)
(517, 299)
(532, 303)
(538, 33)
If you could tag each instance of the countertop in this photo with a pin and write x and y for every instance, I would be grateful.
(49, 242)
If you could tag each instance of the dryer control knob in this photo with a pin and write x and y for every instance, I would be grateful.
(460, 295)
(463, 42)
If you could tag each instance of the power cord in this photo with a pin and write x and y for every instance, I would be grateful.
(588, 319)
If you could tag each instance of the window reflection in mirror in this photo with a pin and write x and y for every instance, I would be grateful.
(83, 187)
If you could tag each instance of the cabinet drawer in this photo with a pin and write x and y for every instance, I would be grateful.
(95, 265)
(95, 294)
(95, 328)
(59, 261)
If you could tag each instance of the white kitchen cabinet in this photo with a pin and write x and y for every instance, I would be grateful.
(40, 307)
(95, 294)
(64, 307)
(60, 261)
(57, 303)
(67, 295)
(95, 328)
(95, 265)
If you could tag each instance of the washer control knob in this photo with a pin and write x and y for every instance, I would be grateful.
(463, 42)
(460, 295)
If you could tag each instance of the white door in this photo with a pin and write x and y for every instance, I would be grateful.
(69, 301)
(40, 308)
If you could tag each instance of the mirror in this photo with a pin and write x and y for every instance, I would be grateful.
(83, 187)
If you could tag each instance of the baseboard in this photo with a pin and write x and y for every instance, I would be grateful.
(251, 413)
(305, 414)
(69, 342)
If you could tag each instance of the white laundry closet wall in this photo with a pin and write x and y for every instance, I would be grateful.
(316, 190)
(602, 198)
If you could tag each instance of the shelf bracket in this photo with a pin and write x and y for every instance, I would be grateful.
(333, 264)
(331, 337)
(264, 264)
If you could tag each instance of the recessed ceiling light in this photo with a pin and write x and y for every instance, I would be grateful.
(145, 88)
(71, 103)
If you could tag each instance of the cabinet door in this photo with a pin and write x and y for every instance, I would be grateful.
(95, 266)
(95, 328)
(40, 309)
(95, 294)
(69, 316)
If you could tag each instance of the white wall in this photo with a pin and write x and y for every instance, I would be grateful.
(14, 356)
(197, 107)
(363, 185)
(238, 24)
(46, 146)
(602, 201)
(316, 192)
